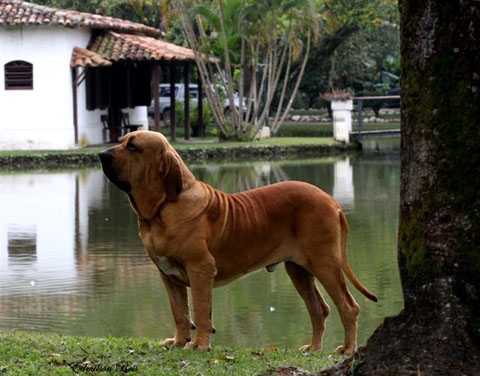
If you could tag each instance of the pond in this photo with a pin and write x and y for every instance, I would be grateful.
(71, 261)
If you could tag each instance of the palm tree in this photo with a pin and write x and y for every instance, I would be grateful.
(256, 39)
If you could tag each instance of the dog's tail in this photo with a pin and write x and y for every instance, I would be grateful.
(347, 270)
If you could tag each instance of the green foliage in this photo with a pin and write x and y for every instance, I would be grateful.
(360, 40)
(208, 120)
(368, 62)
(256, 43)
(144, 11)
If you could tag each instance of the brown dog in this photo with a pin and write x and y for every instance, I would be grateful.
(202, 238)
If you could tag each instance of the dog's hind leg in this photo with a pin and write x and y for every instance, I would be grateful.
(316, 306)
(332, 278)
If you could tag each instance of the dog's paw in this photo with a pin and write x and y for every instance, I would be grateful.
(310, 348)
(192, 345)
(173, 342)
(194, 327)
(344, 350)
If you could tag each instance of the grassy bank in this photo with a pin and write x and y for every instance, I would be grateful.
(35, 354)
(192, 151)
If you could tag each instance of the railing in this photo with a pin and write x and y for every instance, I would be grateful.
(360, 107)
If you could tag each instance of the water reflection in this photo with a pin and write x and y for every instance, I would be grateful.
(71, 260)
(22, 243)
(240, 177)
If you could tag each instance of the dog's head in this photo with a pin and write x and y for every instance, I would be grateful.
(148, 169)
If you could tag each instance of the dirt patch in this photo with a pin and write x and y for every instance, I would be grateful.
(286, 371)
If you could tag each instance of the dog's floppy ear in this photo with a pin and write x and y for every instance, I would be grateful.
(173, 178)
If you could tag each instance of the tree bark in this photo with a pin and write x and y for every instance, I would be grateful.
(438, 332)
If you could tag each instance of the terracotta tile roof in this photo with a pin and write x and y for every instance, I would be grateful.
(81, 57)
(16, 12)
(116, 46)
(112, 47)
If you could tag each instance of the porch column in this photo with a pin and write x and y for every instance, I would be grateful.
(200, 125)
(156, 93)
(75, 103)
(186, 77)
(173, 130)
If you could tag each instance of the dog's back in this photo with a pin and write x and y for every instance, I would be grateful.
(267, 225)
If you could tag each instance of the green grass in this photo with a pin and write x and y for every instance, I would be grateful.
(40, 153)
(301, 129)
(274, 141)
(310, 112)
(39, 355)
(206, 143)
(291, 134)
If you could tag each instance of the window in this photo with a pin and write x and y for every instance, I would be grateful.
(165, 91)
(18, 75)
(194, 93)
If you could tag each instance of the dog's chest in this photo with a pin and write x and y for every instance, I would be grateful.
(170, 268)
(155, 246)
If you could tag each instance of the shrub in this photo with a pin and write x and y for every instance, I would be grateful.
(208, 120)
(305, 130)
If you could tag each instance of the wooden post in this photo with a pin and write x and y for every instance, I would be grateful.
(75, 104)
(200, 123)
(156, 93)
(173, 129)
(360, 117)
(115, 122)
(186, 77)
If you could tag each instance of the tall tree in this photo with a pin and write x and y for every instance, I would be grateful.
(144, 11)
(438, 332)
(341, 20)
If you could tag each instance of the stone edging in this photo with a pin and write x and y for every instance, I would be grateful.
(197, 155)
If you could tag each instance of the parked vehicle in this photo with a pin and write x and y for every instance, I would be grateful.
(164, 99)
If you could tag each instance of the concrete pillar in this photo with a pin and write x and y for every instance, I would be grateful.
(342, 119)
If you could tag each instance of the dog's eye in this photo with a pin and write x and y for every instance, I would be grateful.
(131, 147)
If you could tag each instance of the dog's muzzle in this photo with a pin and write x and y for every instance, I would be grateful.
(106, 157)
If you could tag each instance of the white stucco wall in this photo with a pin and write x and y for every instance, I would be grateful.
(90, 128)
(41, 118)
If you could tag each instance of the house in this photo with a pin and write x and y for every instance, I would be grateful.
(70, 79)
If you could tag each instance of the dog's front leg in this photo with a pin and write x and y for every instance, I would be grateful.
(201, 276)
(177, 295)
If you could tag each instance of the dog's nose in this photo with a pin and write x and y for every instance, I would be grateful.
(106, 156)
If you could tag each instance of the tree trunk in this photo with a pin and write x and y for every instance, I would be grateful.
(438, 332)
